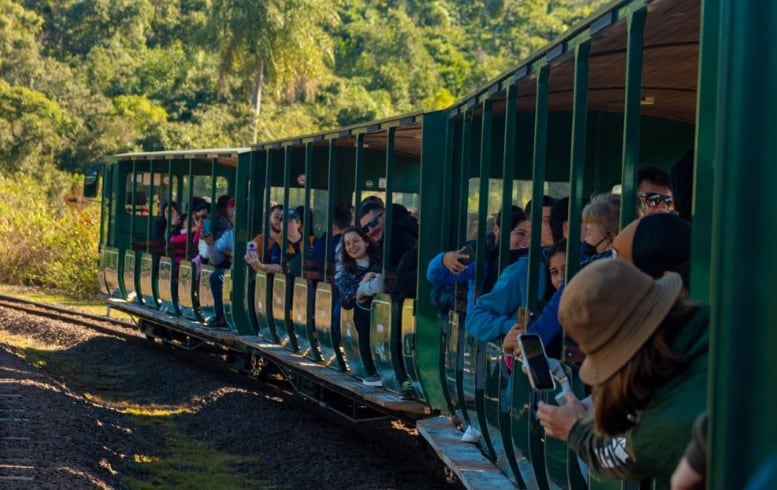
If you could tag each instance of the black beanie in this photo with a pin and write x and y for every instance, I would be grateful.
(662, 242)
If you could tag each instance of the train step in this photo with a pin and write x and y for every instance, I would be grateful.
(464, 459)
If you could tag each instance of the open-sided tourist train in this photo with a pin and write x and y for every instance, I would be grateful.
(641, 82)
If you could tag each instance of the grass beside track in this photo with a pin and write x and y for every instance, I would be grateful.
(88, 305)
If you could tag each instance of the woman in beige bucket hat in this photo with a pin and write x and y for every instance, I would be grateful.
(646, 359)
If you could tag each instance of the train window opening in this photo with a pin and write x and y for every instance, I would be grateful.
(202, 187)
(521, 194)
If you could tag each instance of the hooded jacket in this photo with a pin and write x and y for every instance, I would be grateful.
(653, 447)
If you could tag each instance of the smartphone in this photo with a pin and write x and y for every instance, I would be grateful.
(470, 254)
(206, 227)
(251, 249)
(535, 362)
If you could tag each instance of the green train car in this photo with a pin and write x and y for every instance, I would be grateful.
(639, 83)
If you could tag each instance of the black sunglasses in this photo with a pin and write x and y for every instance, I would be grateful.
(653, 199)
(371, 223)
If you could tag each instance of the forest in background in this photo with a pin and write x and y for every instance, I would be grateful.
(83, 79)
(80, 79)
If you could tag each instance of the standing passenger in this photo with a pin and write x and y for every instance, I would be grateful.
(360, 270)
(220, 251)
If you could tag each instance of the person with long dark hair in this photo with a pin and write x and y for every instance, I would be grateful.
(359, 280)
(646, 361)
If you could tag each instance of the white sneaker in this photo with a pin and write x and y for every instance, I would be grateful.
(373, 380)
(471, 435)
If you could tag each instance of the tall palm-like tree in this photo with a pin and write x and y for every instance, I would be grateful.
(281, 42)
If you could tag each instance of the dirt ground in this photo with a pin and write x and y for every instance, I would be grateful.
(85, 410)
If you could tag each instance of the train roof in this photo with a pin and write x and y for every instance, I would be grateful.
(224, 156)
(669, 77)
(407, 135)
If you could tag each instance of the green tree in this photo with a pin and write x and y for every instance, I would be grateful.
(283, 41)
(31, 128)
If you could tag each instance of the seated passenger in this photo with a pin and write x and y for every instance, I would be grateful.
(646, 359)
(555, 262)
(178, 238)
(456, 266)
(404, 228)
(222, 221)
(159, 227)
(274, 260)
(357, 282)
(343, 219)
(266, 246)
(200, 214)
(546, 239)
(494, 313)
(404, 236)
(655, 244)
(653, 191)
(600, 227)
(601, 220)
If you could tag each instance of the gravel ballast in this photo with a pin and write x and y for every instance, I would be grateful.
(65, 395)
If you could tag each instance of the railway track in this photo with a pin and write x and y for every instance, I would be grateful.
(388, 433)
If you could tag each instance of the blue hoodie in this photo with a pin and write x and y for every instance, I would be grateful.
(495, 313)
(439, 275)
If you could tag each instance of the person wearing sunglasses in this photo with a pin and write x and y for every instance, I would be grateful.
(653, 191)
(403, 261)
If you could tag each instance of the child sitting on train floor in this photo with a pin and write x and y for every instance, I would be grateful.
(357, 282)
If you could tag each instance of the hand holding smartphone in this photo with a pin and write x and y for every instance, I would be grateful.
(206, 226)
(535, 362)
(468, 253)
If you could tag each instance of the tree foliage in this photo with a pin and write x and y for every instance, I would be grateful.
(95, 77)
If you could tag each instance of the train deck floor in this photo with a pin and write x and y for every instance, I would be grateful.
(464, 459)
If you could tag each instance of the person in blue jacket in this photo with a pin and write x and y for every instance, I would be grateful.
(495, 313)
(458, 266)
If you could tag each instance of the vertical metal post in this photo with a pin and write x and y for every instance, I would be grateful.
(705, 161)
(538, 184)
(631, 115)
(508, 174)
(331, 202)
(485, 166)
(267, 188)
(239, 300)
(190, 218)
(389, 213)
(577, 157)
(742, 398)
(287, 150)
(152, 210)
(306, 220)
(430, 242)
(358, 171)
(464, 167)
(133, 211)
